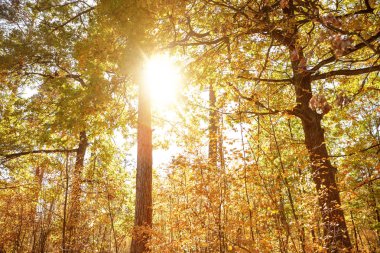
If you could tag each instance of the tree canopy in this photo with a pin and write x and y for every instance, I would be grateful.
(271, 142)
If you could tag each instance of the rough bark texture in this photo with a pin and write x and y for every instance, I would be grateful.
(143, 205)
(336, 236)
(74, 210)
(334, 225)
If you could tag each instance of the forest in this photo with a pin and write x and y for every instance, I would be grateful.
(193, 126)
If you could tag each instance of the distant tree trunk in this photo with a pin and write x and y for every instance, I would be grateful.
(213, 128)
(35, 217)
(335, 229)
(282, 176)
(66, 186)
(213, 159)
(46, 229)
(74, 210)
(223, 185)
(143, 204)
(374, 204)
(111, 215)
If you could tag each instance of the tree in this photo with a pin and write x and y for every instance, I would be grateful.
(279, 96)
(67, 113)
(144, 202)
(295, 29)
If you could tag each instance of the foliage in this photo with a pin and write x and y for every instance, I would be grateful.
(72, 67)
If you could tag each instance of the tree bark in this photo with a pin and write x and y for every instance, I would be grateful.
(334, 225)
(143, 204)
(74, 211)
(335, 232)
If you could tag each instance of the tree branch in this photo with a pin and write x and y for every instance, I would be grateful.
(346, 72)
(355, 48)
(368, 9)
(72, 76)
(366, 181)
(7, 157)
(73, 18)
(360, 151)
(269, 111)
(197, 43)
(288, 80)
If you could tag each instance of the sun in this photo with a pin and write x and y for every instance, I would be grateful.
(163, 78)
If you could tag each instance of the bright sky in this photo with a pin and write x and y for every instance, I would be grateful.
(28, 92)
(163, 76)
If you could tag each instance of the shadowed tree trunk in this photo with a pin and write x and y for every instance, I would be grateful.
(74, 209)
(335, 232)
(143, 205)
(334, 225)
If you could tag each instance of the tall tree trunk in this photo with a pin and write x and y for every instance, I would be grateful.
(143, 204)
(111, 215)
(35, 218)
(335, 229)
(374, 204)
(334, 224)
(212, 170)
(213, 128)
(66, 186)
(213, 162)
(74, 210)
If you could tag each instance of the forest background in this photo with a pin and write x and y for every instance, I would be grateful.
(273, 136)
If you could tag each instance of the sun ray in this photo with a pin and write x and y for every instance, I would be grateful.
(163, 77)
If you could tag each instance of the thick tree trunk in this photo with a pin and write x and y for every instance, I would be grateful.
(334, 225)
(335, 230)
(74, 211)
(143, 204)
